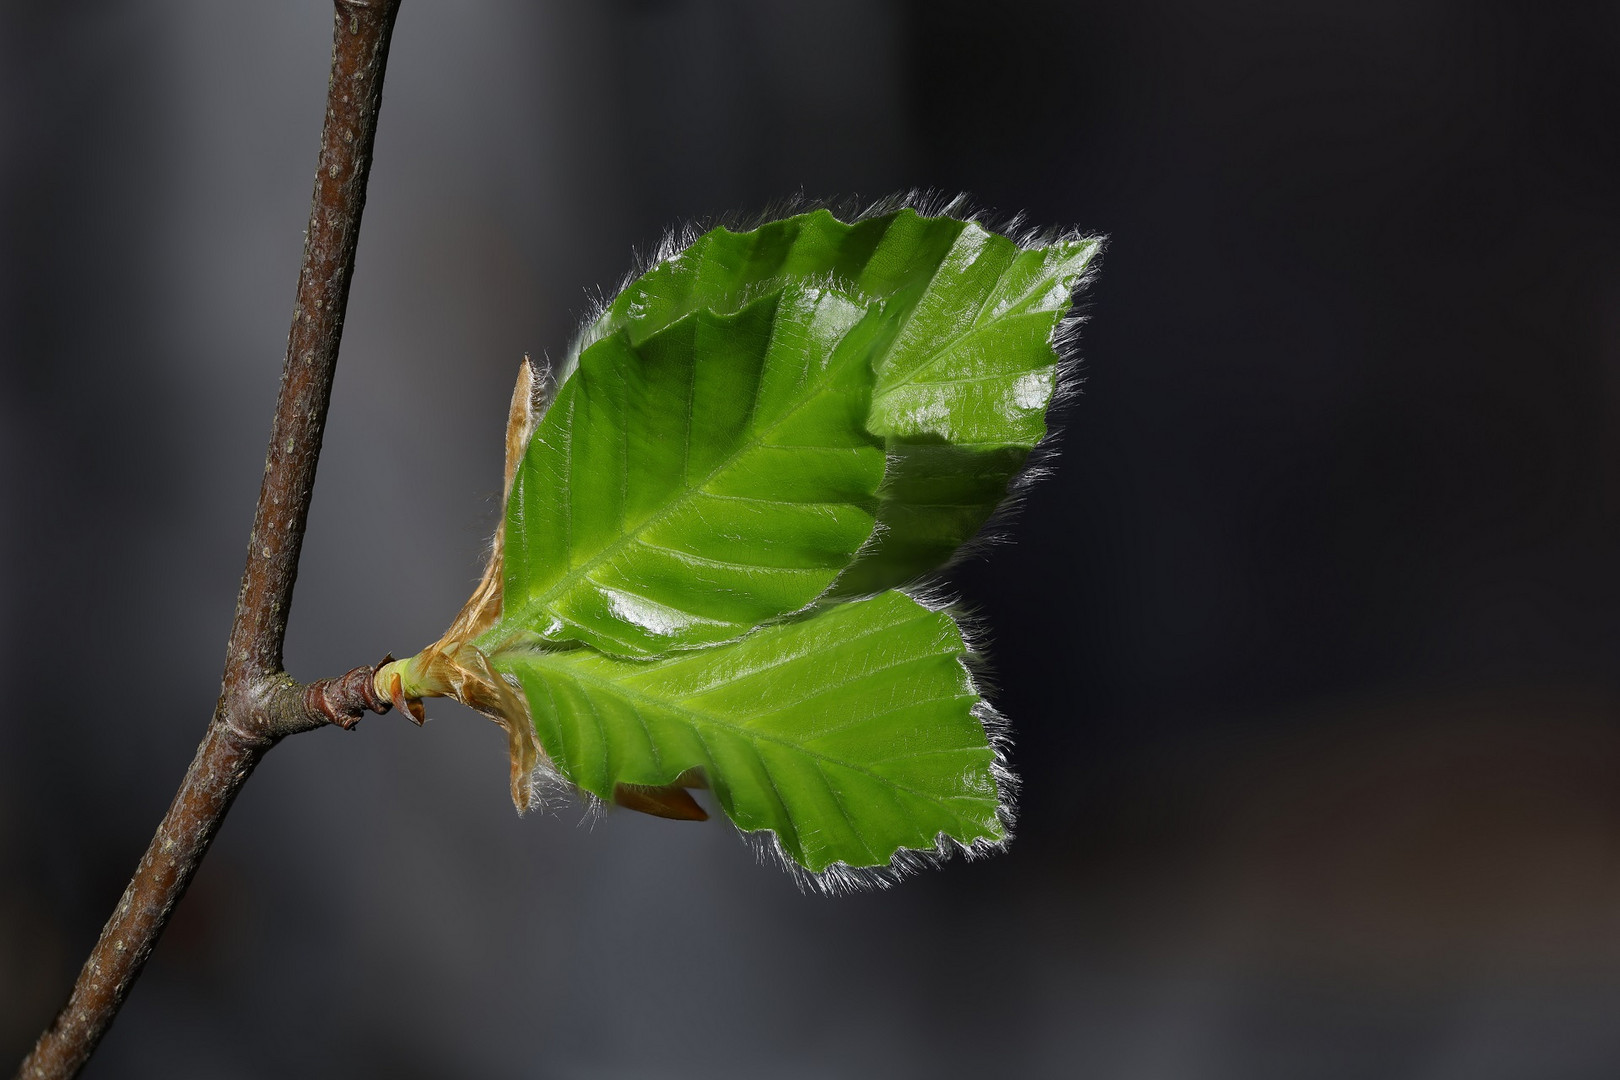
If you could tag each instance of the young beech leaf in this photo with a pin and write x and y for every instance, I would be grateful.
(690, 485)
(936, 496)
(851, 734)
(759, 430)
(963, 386)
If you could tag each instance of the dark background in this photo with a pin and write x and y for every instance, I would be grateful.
(1312, 643)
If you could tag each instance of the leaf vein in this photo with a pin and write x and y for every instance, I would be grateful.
(695, 717)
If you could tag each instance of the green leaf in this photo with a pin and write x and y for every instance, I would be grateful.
(759, 431)
(935, 496)
(962, 388)
(691, 484)
(973, 363)
(961, 397)
(851, 734)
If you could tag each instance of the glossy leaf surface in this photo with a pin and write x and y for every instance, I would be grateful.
(963, 387)
(850, 733)
(696, 482)
(751, 447)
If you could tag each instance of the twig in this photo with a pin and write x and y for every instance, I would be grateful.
(259, 703)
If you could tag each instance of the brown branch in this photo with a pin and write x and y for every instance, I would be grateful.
(259, 703)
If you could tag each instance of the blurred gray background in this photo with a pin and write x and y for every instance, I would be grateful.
(1312, 643)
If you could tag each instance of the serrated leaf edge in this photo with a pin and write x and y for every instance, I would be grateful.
(840, 878)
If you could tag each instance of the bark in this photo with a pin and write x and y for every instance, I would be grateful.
(259, 704)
